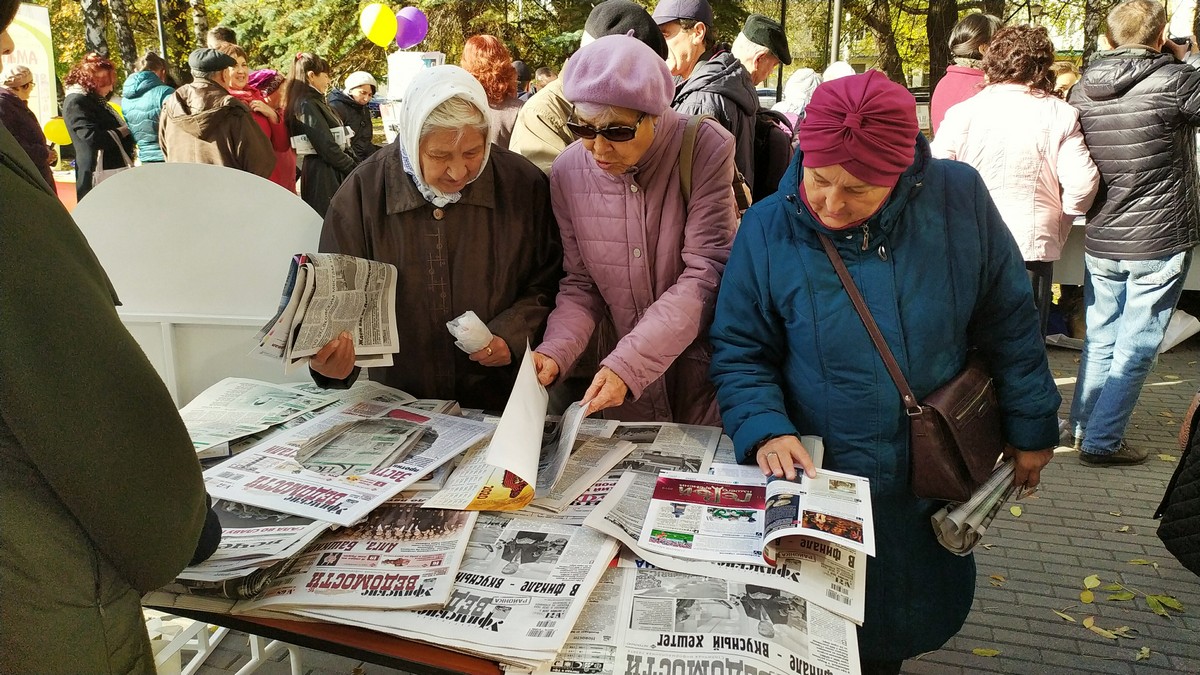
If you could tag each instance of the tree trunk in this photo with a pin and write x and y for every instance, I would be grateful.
(179, 35)
(878, 18)
(95, 26)
(1196, 19)
(199, 21)
(126, 46)
(939, 22)
(1093, 15)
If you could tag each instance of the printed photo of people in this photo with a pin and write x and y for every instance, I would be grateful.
(235, 516)
(838, 527)
(531, 555)
(407, 521)
(637, 434)
(775, 615)
(844, 486)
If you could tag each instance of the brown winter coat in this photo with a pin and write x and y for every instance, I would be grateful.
(495, 252)
(202, 124)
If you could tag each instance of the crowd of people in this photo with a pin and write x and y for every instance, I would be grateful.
(628, 222)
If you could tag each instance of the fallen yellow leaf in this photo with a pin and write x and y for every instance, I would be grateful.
(1064, 616)
(1166, 458)
(1016, 511)
(1124, 595)
(1123, 528)
(1091, 581)
(1089, 622)
(1086, 597)
(1142, 654)
(979, 651)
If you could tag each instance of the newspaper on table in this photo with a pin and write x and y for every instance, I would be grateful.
(400, 557)
(269, 476)
(518, 464)
(359, 446)
(326, 294)
(236, 407)
(740, 520)
(959, 527)
(362, 390)
(825, 574)
(252, 538)
(577, 511)
(591, 647)
(675, 622)
(520, 590)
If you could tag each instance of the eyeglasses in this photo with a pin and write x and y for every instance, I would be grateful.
(615, 134)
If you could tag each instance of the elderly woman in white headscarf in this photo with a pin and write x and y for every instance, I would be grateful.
(468, 226)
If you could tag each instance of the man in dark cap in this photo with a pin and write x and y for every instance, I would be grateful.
(202, 124)
(713, 81)
(761, 47)
(541, 131)
(524, 77)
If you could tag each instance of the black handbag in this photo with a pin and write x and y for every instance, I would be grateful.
(956, 435)
(1180, 507)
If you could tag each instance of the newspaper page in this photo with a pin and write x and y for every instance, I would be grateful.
(400, 557)
(684, 623)
(825, 574)
(269, 476)
(591, 647)
(520, 590)
(662, 446)
(592, 459)
(578, 510)
(725, 461)
(335, 293)
(359, 446)
(835, 507)
(236, 407)
(706, 518)
(557, 449)
(251, 538)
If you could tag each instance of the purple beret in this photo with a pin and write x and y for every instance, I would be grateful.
(866, 123)
(620, 71)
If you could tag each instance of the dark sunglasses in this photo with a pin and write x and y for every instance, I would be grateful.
(615, 134)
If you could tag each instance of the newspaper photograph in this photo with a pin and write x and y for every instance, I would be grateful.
(662, 446)
(359, 446)
(400, 557)
(269, 476)
(684, 623)
(522, 586)
(825, 574)
(326, 294)
(252, 538)
(237, 407)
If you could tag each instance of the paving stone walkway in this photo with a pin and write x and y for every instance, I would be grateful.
(1085, 521)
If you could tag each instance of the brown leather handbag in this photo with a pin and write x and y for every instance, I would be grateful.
(956, 435)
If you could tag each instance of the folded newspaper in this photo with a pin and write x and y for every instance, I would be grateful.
(325, 295)
(959, 527)
(234, 408)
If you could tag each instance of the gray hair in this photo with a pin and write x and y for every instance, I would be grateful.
(456, 114)
(211, 76)
(744, 49)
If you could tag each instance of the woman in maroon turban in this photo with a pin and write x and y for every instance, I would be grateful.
(940, 274)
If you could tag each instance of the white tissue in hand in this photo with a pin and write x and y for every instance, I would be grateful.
(471, 334)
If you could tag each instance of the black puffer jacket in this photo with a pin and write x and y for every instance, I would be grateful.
(1139, 110)
(721, 87)
(358, 118)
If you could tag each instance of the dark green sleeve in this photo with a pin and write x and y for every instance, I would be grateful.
(80, 396)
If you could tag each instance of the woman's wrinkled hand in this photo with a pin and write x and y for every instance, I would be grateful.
(1028, 465)
(494, 355)
(265, 110)
(547, 369)
(608, 390)
(781, 455)
(336, 359)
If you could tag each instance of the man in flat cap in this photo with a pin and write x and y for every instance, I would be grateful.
(713, 82)
(761, 47)
(541, 132)
(202, 124)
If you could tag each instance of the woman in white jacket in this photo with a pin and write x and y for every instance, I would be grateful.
(1028, 146)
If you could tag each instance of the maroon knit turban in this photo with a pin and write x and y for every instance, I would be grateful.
(866, 123)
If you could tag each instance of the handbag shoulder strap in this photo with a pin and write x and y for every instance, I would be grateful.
(116, 137)
(687, 154)
(911, 405)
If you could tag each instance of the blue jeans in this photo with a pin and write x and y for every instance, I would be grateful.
(1129, 303)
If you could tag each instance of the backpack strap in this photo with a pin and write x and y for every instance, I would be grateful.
(687, 154)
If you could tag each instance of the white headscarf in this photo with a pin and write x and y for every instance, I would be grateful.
(798, 91)
(429, 89)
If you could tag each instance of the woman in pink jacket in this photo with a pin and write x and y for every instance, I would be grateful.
(1028, 146)
(634, 250)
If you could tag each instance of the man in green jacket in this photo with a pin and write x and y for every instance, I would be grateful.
(102, 494)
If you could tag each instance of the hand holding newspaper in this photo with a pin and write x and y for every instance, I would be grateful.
(326, 294)
(959, 527)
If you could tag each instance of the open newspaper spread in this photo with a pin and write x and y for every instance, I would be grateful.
(521, 587)
(674, 622)
(400, 557)
(237, 407)
(326, 294)
(829, 575)
(523, 461)
(269, 476)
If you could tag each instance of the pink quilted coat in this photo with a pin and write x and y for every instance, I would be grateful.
(633, 250)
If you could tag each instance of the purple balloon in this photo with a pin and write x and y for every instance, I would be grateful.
(412, 27)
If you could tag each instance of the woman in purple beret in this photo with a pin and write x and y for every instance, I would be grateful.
(636, 252)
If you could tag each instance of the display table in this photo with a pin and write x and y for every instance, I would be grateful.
(348, 641)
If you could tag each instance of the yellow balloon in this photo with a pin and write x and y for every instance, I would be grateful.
(378, 23)
(116, 107)
(56, 131)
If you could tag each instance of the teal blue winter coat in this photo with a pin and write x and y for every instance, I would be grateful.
(141, 102)
(939, 271)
